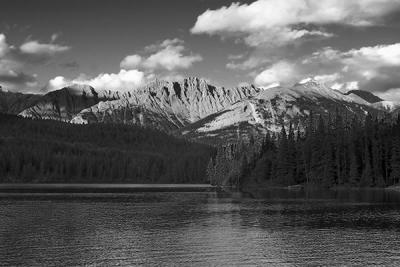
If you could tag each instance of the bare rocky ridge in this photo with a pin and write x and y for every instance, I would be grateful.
(166, 105)
(65, 103)
(273, 108)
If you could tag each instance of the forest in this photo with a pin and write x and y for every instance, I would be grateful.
(45, 151)
(329, 151)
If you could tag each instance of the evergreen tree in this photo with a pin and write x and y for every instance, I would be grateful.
(367, 175)
(395, 161)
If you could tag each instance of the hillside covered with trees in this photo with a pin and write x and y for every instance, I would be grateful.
(45, 151)
(331, 151)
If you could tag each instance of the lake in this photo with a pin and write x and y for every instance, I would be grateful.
(277, 228)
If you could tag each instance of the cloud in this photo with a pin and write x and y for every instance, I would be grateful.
(392, 94)
(279, 72)
(131, 62)
(12, 76)
(42, 49)
(380, 55)
(18, 78)
(125, 80)
(4, 48)
(168, 55)
(327, 78)
(160, 60)
(371, 68)
(376, 68)
(276, 22)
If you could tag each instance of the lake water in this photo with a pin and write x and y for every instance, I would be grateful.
(202, 229)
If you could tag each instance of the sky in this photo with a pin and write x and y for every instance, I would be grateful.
(123, 44)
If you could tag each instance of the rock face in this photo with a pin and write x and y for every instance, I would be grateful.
(273, 108)
(65, 103)
(166, 105)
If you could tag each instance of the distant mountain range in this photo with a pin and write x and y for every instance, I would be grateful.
(195, 108)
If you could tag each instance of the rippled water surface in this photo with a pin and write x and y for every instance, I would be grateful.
(351, 228)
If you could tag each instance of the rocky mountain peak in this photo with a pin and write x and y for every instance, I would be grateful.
(80, 89)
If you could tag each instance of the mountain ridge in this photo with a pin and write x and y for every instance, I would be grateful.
(194, 108)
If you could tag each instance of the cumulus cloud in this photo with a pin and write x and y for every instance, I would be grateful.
(380, 55)
(131, 62)
(125, 80)
(375, 68)
(12, 76)
(327, 78)
(4, 48)
(276, 22)
(168, 55)
(42, 49)
(278, 73)
(371, 68)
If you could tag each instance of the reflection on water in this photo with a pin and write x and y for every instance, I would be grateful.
(347, 228)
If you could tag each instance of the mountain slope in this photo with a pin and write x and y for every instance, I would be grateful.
(274, 107)
(367, 96)
(166, 105)
(65, 103)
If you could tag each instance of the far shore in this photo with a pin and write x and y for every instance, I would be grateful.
(311, 187)
(393, 188)
(102, 188)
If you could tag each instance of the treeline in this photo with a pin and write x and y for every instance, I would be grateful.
(234, 161)
(50, 151)
(330, 151)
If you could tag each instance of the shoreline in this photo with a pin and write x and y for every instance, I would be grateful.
(393, 188)
(102, 188)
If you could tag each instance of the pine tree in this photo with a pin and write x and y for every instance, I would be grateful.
(282, 171)
(367, 175)
(211, 172)
(291, 157)
(328, 163)
(354, 175)
(395, 161)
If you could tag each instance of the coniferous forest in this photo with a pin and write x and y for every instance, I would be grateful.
(45, 151)
(330, 151)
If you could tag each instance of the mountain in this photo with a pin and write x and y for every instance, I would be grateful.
(272, 108)
(194, 108)
(14, 103)
(166, 105)
(65, 103)
(367, 96)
